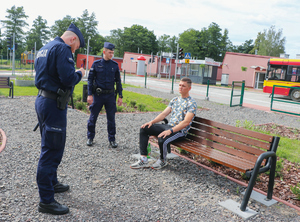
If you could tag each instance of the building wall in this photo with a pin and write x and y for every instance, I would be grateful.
(233, 62)
(158, 67)
(81, 60)
(130, 63)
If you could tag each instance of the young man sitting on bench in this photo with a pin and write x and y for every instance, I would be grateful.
(183, 110)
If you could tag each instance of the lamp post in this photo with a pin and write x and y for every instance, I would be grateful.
(170, 60)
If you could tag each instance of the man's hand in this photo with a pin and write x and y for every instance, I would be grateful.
(90, 99)
(120, 101)
(149, 124)
(165, 133)
(82, 71)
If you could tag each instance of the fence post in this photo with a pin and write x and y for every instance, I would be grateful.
(124, 77)
(145, 79)
(207, 98)
(172, 91)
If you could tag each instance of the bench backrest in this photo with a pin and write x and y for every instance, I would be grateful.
(4, 81)
(233, 140)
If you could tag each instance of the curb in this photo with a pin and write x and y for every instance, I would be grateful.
(3, 140)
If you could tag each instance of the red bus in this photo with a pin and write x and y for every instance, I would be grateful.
(283, 72)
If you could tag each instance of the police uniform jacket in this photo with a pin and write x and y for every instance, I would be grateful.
(105, 73)
(55, 67)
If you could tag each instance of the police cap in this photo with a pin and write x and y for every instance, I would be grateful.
(109, 45)
(74, 29)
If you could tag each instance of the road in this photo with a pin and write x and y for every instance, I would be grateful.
(253, 98)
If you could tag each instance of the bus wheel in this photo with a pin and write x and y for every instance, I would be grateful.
(295, 95)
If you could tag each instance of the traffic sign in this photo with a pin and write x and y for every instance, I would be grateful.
(167, 60)
(187, 55)
(187, 61)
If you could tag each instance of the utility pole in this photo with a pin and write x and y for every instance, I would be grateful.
(87, 57)
(151, 63)
(13, 64)
(176, 60)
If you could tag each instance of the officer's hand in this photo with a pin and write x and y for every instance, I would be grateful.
(90, 99)
(120, 101)
(82, 71)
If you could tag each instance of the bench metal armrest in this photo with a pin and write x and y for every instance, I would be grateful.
(256, 170)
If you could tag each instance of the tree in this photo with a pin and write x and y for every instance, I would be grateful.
(60, 26)
(117, 38)
(39, 34)
(14, 25)
(209, 42)
(188, 40)
(246, 47)
(163, 40)
(270, 42)
(134, 39)
(87, 24)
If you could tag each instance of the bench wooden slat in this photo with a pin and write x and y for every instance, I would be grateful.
(233, 136)
(228, 141)
(225, 159)
(224, 148)
(235, 129)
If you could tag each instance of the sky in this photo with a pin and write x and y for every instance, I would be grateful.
(243, 19)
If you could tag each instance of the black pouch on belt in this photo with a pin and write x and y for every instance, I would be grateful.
(63, 98)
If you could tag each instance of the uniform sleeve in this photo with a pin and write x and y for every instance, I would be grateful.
(66, 67)
(91, 79)
(118, 81)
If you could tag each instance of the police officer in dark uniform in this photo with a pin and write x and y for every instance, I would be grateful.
(55, 79)
(103, 75)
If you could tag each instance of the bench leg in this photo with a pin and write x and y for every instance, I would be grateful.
(254, 175)
(271, 179)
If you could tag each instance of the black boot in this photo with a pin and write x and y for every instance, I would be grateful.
(113, 144)
(53, 208)
(89, 142)
(60, 188)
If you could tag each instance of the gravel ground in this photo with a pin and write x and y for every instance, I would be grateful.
(104, 188)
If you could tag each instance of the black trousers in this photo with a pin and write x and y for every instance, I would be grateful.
(155, 130)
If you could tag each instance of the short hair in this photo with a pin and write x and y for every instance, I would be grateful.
(187, 80)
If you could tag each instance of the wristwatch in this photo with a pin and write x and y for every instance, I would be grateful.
(120, 96)
(171, 130)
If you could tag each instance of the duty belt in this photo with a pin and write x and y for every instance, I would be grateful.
(48, 94)
(104, 91)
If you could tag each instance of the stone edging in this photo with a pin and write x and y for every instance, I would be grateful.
(3, 140)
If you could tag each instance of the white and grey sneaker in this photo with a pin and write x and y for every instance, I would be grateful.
(159, 164)
(140, 164)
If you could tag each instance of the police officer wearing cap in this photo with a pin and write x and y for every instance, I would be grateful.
(55, 79)
(103, 75)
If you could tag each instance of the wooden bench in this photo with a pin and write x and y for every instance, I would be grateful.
(6, 83)
(244, 150)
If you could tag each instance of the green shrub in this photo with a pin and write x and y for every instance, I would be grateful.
(25, 77)
(296, 190)
(80, 106)
(120, 109)
(132, 103)
(141, 107)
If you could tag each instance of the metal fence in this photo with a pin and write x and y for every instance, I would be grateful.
(293, 107)
(237, 93)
